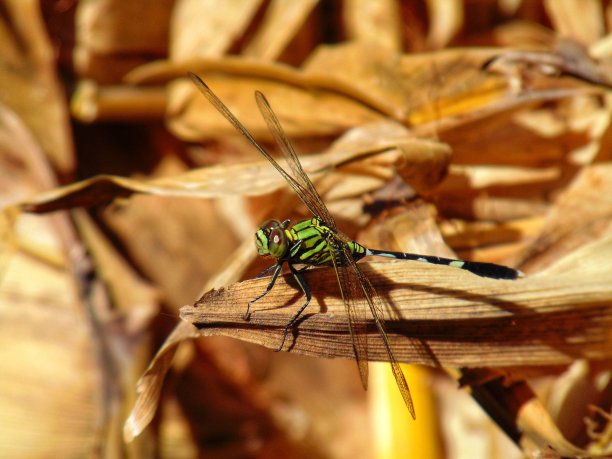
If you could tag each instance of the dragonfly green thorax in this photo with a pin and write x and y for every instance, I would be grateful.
(308, 242)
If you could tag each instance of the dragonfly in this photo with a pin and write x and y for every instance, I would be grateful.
(317, 241)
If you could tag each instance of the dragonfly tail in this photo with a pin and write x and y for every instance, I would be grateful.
(490, 270)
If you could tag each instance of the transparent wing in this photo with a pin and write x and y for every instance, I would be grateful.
(310, 195)
(354, 276)
(298, 180)
(352, 296)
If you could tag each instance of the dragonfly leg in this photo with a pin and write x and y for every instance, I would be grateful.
(304, 286)
(277, 269)
(266, 271)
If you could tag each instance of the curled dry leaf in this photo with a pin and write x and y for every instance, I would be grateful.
(150, 383)
(257, 178)
(303, 112)
(569, 58)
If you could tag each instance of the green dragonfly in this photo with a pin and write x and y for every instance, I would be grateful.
(318, 242)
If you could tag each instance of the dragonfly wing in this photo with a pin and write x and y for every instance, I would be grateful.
(352, 295)
(357, 277)
(308, 192)
(303, 187)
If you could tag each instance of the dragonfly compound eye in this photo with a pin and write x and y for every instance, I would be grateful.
(277, 242)
(271, 239)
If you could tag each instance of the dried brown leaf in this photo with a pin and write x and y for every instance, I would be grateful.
(151, 382)
(109, 42)
(580, 20)
(581, 214)
(462, 87)
(29, 83)
(47, 349)
(441, 90)
(201, 28)
(568, 58)
(548, 319)
(302, 112)
(130, 293)
(374, 21)
(182, 239)
(280, 25)
(255, 178)
(413, 229)
(446, 21)
(46, 352)
(464, 235)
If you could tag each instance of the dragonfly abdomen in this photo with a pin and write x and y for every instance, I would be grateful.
(481, 269)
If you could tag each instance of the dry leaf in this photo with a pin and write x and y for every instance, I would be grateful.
(30, 86)
(48, 351)
(248, 179)
(541, 320)
(110, 42)
(377, 22)
(280, 24)
(202, 29)
(581, 214)
(581, 20)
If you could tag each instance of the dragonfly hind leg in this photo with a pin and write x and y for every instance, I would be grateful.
(304, 286)
(277, 269)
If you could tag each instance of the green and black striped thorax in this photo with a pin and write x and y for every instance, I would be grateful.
(308, 242)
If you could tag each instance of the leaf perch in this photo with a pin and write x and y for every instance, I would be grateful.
(435, 315)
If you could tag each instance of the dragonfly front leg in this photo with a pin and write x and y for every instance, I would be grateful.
(266, 271)
(277, 269)
(304, 286)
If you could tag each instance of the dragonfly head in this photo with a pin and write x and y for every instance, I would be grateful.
(271, 239)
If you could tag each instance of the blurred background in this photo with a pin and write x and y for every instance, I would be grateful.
(477, 129)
